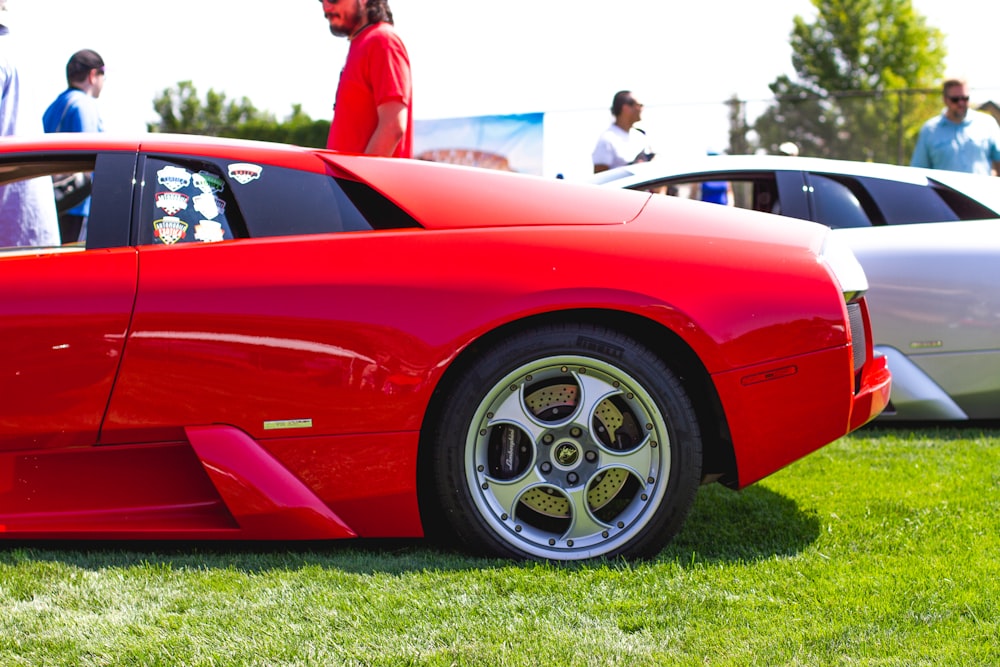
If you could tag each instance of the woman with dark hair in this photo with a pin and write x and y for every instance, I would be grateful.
(373, 111)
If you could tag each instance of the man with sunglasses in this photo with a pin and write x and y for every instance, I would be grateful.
(960, 139)
(622, 143)
(75, 110)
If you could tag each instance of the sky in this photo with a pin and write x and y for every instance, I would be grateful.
(469, 58)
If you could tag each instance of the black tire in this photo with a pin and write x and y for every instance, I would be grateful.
(566, 443)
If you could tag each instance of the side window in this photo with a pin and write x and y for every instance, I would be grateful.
(43, 203)
(758, 192)
(905, 203)
(760, 195)
(278, 201)
(836, 205)
(186, 202)
(214, 199)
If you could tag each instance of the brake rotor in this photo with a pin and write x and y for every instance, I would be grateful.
(547, 402)
(551, 503)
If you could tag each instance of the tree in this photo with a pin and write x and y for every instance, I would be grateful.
(182, 111)
(867, 76)
(298, 129)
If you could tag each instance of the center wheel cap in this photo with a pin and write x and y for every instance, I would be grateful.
(567, 455)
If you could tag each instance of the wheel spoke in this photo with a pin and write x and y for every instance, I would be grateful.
(638, 461)
(507, 493)
(592, 392)
(513, 411)
(583, 523)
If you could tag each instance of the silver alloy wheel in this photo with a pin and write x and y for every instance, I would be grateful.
(567, 458)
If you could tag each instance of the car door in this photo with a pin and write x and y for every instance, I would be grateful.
(237, 318)
(65, 311)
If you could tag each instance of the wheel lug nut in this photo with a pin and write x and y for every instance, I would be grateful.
(546, 467)
(572, 478)
(591, 456)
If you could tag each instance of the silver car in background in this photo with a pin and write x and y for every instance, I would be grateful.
(929, 242)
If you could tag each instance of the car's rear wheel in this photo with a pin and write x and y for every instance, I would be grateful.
(566, 443)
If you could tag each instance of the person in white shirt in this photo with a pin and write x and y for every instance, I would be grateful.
(27, 207)
(622, 143)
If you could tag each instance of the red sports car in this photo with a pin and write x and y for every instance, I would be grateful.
(258, 341)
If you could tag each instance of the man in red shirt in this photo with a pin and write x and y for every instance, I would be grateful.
(373, 111)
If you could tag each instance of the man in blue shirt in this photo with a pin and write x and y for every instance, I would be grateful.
(75, 110)
(960, 139)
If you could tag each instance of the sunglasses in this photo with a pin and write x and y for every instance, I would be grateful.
(633, 103)
(958, 98)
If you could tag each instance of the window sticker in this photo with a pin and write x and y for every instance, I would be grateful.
(209, 231)
(173, 178)
(208, 182)
(171, 202)
(169, 230)
(208, 205)
(244, 172)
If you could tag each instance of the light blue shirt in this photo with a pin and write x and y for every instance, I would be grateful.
(971, 146)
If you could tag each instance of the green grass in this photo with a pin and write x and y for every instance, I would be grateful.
(881, 549)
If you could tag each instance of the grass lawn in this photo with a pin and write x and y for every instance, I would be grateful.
(881, 549)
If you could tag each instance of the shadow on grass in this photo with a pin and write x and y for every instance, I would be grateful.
(752, 524)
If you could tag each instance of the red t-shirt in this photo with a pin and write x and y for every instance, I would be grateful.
(377, 70)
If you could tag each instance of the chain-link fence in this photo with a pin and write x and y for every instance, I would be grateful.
(877, 126)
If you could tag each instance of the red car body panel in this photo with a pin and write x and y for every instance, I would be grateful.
(62, 345)
(510, 200)
(275, 388)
